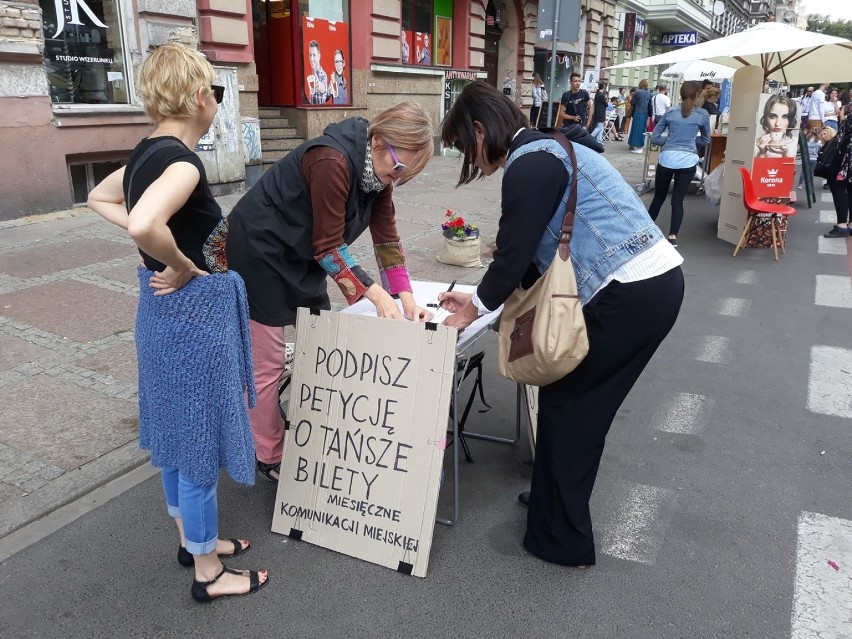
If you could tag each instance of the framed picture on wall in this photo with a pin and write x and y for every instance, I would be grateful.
(443, 41)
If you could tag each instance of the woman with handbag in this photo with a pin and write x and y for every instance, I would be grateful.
(838, 175)
(630, 288)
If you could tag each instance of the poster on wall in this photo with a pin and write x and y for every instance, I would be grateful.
(326, 61)
(443, 41)
(406, 43)
(775, 147)
(363, 456)
(423, 48)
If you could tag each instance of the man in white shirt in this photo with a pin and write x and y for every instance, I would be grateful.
(815, 112)
(805, 106)
(660, 103)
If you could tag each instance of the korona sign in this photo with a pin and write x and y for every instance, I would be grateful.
(369, 405)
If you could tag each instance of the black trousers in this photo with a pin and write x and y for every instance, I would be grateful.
(841, 194)
(662, 181)
(626, 323)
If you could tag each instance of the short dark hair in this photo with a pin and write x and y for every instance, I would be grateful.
(575, 75)
(314, 44)
(498, 117)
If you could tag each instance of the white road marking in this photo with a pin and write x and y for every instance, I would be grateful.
(831, 246)
(830, 382)
(833, 290)
(713, 348)
(734, 306)
(827, 216)
(746, 277)
(638, 519)
(822, 605)
(685, 413)
(826, 197)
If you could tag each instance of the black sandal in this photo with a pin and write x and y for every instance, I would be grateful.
(199, 588)
(186, 559)
(266, 470)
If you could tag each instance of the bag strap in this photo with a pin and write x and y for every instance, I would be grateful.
(161, 143)
(567, 221)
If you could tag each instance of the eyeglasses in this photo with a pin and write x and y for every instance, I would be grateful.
(340, 61)
(398, 166)
(218, 92)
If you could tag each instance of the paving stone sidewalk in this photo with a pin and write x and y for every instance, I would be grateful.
(68, 290)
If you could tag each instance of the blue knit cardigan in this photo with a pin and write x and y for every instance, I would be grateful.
(195, 368)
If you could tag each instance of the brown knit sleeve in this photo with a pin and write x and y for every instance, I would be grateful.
(326, 173)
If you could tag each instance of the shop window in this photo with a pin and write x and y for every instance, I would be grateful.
(325, 52)
(85, 176)
(416, 35)
(84, 52)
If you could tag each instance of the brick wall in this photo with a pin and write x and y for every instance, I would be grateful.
(21, 22)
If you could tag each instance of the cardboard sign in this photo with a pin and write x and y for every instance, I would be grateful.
(369, 405)
(773, 177)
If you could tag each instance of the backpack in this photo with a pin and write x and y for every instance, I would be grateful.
(828, 160)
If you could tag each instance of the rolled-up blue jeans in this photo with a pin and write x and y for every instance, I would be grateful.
(196, 506)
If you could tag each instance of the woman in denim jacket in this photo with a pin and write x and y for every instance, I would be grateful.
(630, 285)
(679, 156)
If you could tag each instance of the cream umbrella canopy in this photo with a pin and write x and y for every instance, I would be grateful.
(698, 70)
(783, 52)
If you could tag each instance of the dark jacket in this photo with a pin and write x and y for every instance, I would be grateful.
(270, 229)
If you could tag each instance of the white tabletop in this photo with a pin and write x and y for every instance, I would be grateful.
(426, 293)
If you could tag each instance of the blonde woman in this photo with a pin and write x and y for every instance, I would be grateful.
(293, 230)
(191, 334)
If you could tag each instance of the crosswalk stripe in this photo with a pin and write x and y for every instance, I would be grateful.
(746, 277)
(684, 413)
(826, 197)
(637, 519)
(734, 306)
(713, 349)
(833, 290)
(829, 381)
(827, 216)
(822, 606)
(831, 246)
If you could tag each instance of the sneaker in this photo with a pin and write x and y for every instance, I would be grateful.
(838, 231)
(672, 241)
(637, 151)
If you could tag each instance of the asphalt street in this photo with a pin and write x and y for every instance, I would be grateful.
(721, 509)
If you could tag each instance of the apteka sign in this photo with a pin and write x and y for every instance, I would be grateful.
(362, 459)
(679, 39)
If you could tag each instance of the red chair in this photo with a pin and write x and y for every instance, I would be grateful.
(755, 208)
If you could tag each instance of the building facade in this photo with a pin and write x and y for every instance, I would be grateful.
(67, 75)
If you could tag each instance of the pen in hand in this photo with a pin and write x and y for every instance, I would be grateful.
(450, 288)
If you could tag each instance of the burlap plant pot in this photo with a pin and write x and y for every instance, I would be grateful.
(461, 252)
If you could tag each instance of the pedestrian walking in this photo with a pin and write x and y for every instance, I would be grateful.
(539, 94)
(660, 103)
(293, 230)
(599, 112)
(641, 103)
(630, 286)
(679, 132)
(841, 182)
(191, 328)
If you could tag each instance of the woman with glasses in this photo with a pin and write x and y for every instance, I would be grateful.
(339, 93)
(191, 337)
(293, 230)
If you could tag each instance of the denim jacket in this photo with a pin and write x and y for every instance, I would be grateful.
(611, 225)
(682, 130)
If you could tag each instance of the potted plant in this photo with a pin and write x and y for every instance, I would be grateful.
(461, 241)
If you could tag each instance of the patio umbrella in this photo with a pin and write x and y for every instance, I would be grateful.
(783, 52)
(698, 70)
